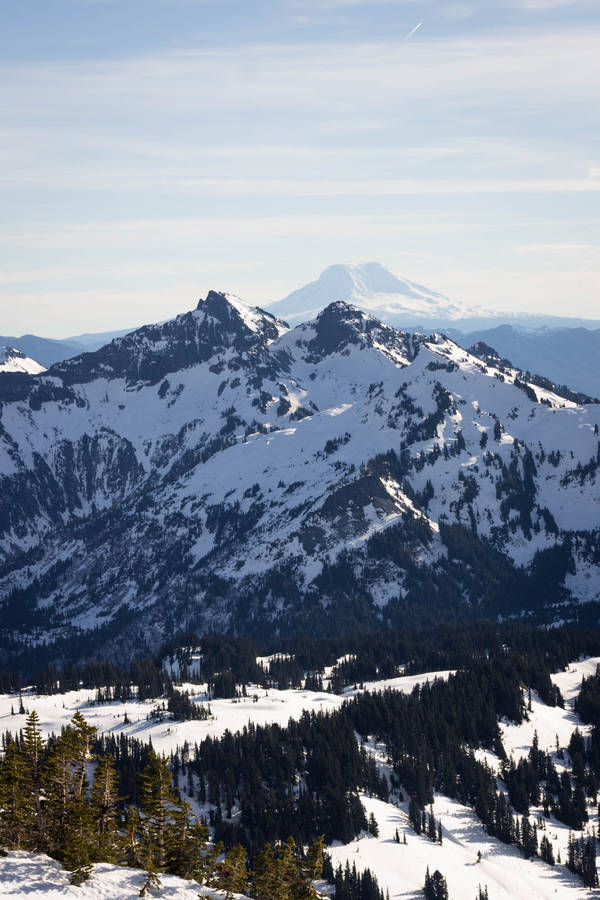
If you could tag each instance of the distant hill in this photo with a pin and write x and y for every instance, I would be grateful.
(45, 351)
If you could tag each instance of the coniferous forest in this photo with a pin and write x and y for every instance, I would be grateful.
(252, 812)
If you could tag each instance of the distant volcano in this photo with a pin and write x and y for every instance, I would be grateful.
(373, 288)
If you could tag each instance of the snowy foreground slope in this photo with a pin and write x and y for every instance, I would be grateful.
(35, 875)
(399, 867)
(221, 468)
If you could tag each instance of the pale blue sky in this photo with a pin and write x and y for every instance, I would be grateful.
(153, 149)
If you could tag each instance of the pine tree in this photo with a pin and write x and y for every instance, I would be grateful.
(148, 860)
(58, 788)
(157, 802)
(104, 802)
(17, 803)
(264, 874)
(82, 734)
(78, 841)
(34, 747)
(546, 851)
(131, 839)
(373, 827)
(435, 887)
(233, 876)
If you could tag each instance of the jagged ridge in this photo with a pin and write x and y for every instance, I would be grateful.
(221, 471)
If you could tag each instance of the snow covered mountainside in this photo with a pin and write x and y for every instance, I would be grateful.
(13, 360)
(222, 471)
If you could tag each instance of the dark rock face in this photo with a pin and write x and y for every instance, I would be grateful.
(154, 351)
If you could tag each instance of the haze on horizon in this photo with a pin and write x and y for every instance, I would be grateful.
(153, 149)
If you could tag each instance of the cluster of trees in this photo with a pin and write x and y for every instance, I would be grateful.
(267, 785)
(581, 859)
(47, 805)
(534, 780)
(301, 780)
(228, 663)
(352, 885)
(435, 887)
(423, 823)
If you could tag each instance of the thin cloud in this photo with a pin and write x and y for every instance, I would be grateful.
(413, 30)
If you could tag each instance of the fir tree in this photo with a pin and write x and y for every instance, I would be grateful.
(104, 801)
(157, 802)
(373, 827)
(17, 802)
(77, 841)
(58, 787)
(435, 887)
(264, 874)
(233, 875)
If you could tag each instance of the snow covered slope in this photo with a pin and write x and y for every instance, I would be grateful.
(34, 875)
(132, 718)
(220, 468)
(13, 360)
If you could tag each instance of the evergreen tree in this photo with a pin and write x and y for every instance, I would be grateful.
(233, 875)
(264, 874)
(17, 801)
(104, 801)
(546, 851)
(58, 787)
(34, 747)
(435, 887)
(373, 827)
(78, 840)
(81, 738)
(157, 802)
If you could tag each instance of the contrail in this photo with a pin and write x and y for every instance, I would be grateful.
(412, 31)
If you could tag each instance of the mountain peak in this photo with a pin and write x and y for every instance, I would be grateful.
(342, 326)
(228, 308)
(13, 360)
(365, 278)
(371, 287)
(220, 323)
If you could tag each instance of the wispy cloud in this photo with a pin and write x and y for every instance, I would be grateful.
(297, 154)
(413, 30)
(85, 235)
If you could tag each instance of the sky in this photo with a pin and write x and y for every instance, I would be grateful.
(151, 150)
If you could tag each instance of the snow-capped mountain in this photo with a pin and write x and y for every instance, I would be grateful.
(13, 360)
(223, 471)
(405, 304)
(372, 288)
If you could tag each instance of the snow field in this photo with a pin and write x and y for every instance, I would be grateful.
(261, 707)
(33, 875)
